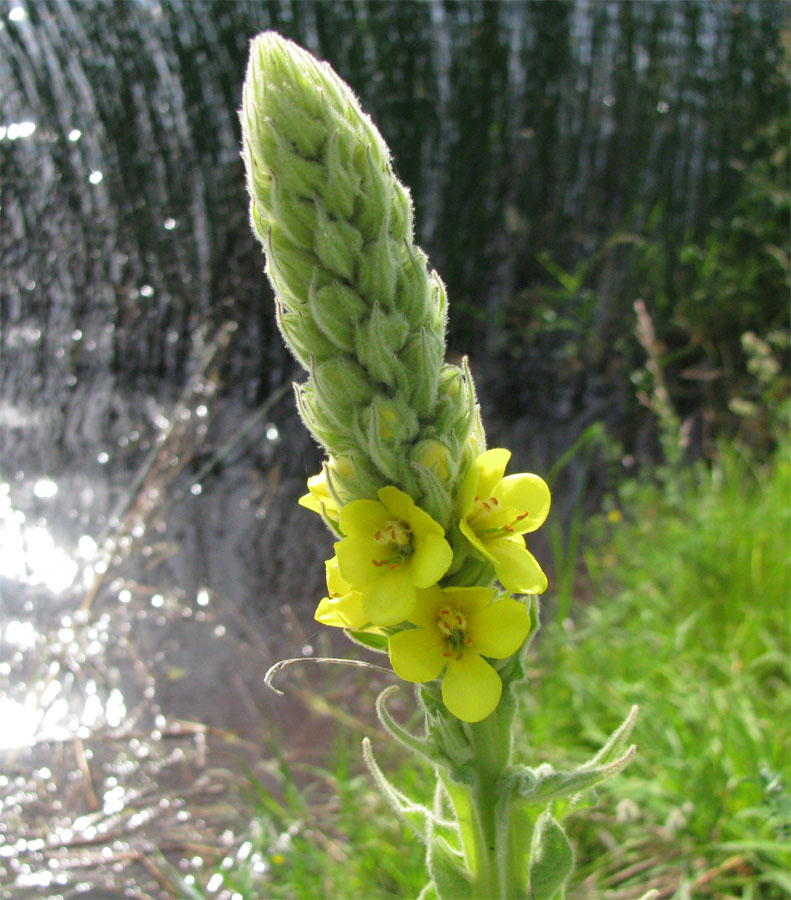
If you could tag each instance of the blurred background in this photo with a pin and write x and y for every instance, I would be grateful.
(603, 186)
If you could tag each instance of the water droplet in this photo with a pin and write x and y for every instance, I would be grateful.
(272, 434)
(17, 14)
(196, 489)
(214, 883)
(95, 177)
(662, 107)
(44, 488)
(146, 291)
(170, 224)
(75, 134)
(17, 130)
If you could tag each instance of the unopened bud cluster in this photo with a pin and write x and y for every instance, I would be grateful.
(356, 302)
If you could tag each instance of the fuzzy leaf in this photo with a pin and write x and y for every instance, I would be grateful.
(551, 859)
(446, 869)
(414, 815)
(371, 640)
(544, 785)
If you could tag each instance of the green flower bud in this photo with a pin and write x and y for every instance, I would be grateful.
(356, 301)
(342, 386)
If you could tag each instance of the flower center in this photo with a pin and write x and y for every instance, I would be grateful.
(490, 517)
(394, 532)
(453, 624)
(396, 538)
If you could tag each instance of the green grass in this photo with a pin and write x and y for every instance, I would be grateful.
(688, 616)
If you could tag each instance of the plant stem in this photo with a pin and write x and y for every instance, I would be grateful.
(482, 804)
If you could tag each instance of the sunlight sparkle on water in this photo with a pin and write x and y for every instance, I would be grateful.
(17, 130)
(44, 488)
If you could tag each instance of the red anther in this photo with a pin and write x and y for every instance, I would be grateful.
(524, 515)
(508, 527)
(447, 653)
(459, 656)
(378, 535)
(467, 642)
(393, 565)
(459, 619)
(378, 562)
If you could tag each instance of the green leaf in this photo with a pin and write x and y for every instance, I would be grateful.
(450, 879)
(371, 640)
(551, 859)
(544, 785)
(419, 746)
(416, 816)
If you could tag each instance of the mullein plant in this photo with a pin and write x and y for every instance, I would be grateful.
(430, 563)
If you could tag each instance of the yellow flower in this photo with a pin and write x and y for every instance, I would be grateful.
(457, 628)
(391, 549)
(343, 608)
(319, 498)
(495, 514)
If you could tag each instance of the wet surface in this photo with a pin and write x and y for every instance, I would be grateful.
(140, 611)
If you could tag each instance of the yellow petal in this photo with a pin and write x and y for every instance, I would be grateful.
(471, 688)
(361, 518)
(476, 542)
(356, 560)
(426, 611)
(390, 598)
(491, 467)
(430, 561)
(416, 654)
(342, 612)
(500, 629)
(319, 499)
(516, 567)
(469, 599)
(336, 583)
(526, 499)
(468, 491)
(396, 502)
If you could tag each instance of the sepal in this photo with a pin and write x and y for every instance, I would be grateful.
(337, 244)
(336, 308)
(368, 639)
(378, 268)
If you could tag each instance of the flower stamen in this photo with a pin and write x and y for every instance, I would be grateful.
(453, 624)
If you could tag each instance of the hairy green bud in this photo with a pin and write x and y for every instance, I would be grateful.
(356, 301)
